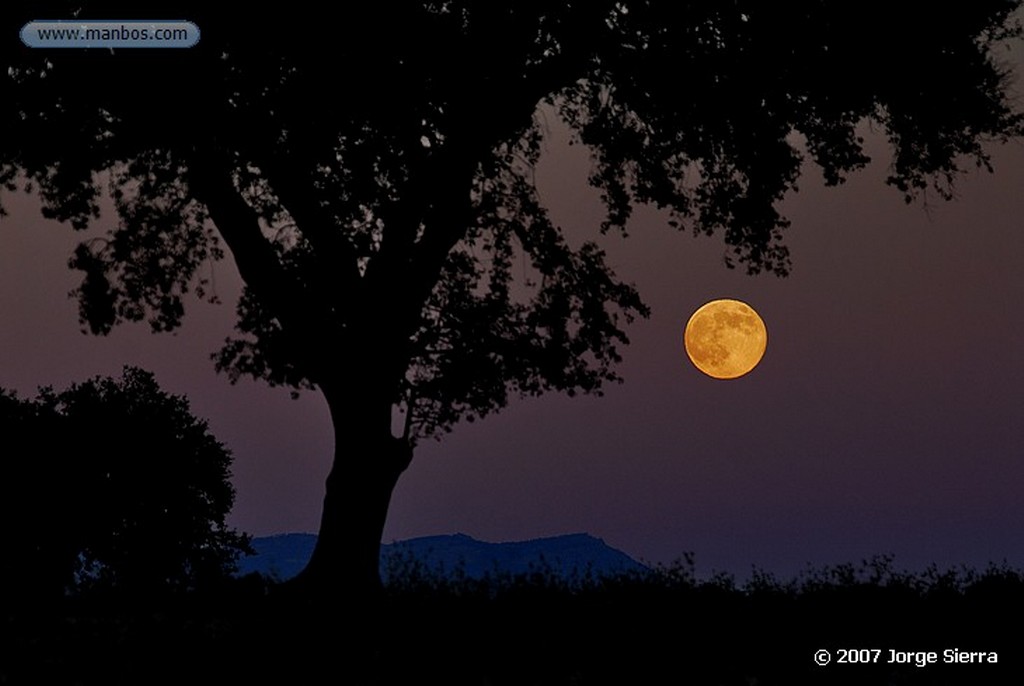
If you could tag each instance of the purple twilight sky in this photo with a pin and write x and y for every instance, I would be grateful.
(886, 417)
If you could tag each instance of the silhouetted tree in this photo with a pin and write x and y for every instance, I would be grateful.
(112, 484)
(38, 535)
(370, 175)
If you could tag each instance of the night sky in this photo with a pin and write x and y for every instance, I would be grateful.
(886, 417)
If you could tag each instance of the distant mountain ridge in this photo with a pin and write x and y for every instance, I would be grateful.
(283, 556)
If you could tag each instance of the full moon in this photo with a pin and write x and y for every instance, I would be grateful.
(725, 339)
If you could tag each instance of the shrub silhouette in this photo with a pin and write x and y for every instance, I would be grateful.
(112, 484)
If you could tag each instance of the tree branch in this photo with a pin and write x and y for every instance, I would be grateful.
(334, 255)
(299, 311)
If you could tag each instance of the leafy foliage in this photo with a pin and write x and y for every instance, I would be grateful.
(696, 105)
(145, 484)
(376, 229)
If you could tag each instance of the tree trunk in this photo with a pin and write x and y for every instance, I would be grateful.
(367, 463)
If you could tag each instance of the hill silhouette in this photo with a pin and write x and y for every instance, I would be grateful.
(283, 556)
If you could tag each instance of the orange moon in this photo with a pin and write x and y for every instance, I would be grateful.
(725, 339)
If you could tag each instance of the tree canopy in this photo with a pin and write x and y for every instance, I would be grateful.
(334, 161)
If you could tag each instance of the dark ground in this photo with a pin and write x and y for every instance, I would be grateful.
(663, 628)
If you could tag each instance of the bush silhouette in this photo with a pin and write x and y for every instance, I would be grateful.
(112, 484)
